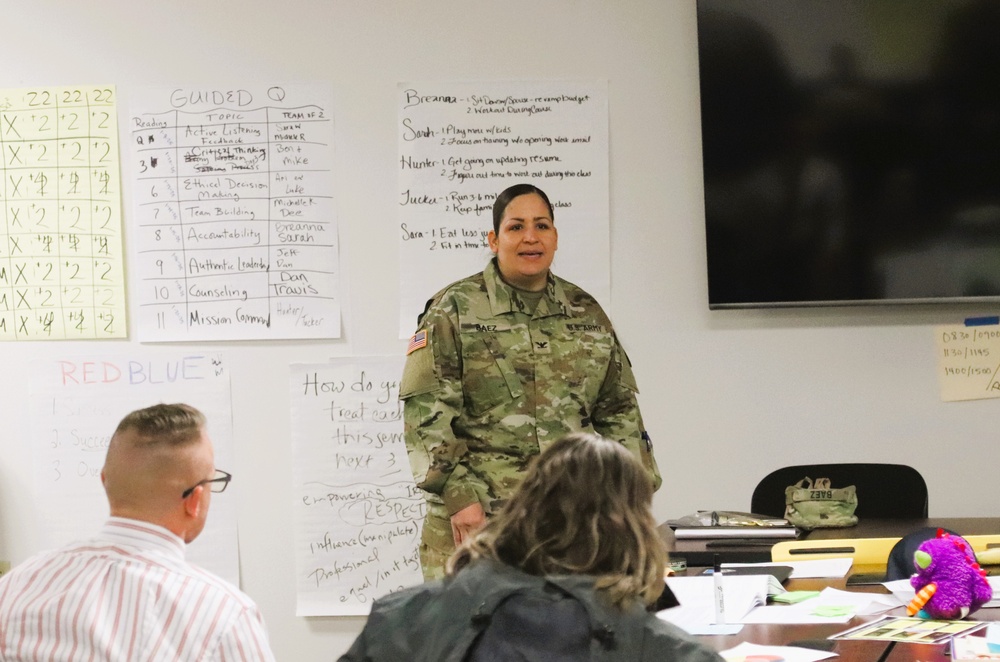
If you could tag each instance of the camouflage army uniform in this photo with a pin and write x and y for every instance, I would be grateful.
(495, 384)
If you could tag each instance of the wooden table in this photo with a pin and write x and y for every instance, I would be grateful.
(778, 634)
(849, 651)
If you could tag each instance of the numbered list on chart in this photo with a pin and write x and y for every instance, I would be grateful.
(76, 403)
(460, 144)
(357, 511)
(61, 271)
(236, 234)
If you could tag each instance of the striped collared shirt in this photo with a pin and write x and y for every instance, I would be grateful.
(127, 594)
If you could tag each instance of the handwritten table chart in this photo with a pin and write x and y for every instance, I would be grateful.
(968, 361)
(236, 231)
(61, 270)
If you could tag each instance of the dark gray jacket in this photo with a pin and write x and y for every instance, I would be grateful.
(489, 611)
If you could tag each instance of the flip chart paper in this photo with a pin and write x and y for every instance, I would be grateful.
(357, 512)
(76, 404)
(968, 361)
(236, 231)
(61, 267)
(462, 143)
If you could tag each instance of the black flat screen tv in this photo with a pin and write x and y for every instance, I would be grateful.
(851, 151)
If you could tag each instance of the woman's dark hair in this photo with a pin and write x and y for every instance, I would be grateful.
(500, 206)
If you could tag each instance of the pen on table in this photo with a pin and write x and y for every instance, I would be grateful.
(720, 604)
(741, 542)
(822, 550)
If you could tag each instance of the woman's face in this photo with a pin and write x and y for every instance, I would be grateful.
(526, 243)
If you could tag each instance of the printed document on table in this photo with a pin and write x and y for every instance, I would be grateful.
(831, 606)
(696, 613)
(748, 651)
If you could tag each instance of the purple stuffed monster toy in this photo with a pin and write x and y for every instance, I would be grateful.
(949, 582)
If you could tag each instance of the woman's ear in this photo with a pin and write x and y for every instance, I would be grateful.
(493, 241)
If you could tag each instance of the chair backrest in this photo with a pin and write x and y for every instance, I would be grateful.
(885, 491)
(986, 547)
(864, 551)
(900, 562)
(870, 551)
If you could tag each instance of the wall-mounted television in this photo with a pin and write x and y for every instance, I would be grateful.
(851, 151)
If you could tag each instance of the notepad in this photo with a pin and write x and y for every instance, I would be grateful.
(696, 613)
(794, 597)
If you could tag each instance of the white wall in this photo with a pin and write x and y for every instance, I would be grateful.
(727, 396)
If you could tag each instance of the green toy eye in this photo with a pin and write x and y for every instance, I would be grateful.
(922, 559)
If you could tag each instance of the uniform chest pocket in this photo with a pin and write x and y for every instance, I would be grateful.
(488, 379)
(585, 355)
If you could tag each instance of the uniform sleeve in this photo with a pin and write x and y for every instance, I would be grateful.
(433, 398)
(616, 414)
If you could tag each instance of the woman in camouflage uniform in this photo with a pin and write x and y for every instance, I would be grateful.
(503, 363)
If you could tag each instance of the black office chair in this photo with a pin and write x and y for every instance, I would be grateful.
(885, 491)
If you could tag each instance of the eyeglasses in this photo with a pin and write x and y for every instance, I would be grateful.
(217, 483)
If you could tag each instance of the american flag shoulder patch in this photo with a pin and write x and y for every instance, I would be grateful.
(417, 340)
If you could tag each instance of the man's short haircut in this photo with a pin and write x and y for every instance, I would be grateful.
(172, 425)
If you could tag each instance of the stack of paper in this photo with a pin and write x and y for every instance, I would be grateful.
(747, 651)
(696, 613)
(730, 524)
(745, 598)
(977, 648)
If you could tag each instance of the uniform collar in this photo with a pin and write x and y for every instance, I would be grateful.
(504, 298)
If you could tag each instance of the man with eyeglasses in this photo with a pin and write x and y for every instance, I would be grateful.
(128, 594)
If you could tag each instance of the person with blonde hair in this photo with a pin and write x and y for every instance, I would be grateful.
(565, 571)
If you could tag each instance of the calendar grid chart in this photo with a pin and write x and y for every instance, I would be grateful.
(61, 268)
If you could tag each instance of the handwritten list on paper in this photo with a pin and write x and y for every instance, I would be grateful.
(61, 274)
(968, 361)
(237, 237)
(76, 404)
(357, 511)
(460, 144)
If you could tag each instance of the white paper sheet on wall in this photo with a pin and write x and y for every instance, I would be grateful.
(236, 233)
(61, 255)
(462, 143)
(76, 404)
(357, 512)
(969, 360)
